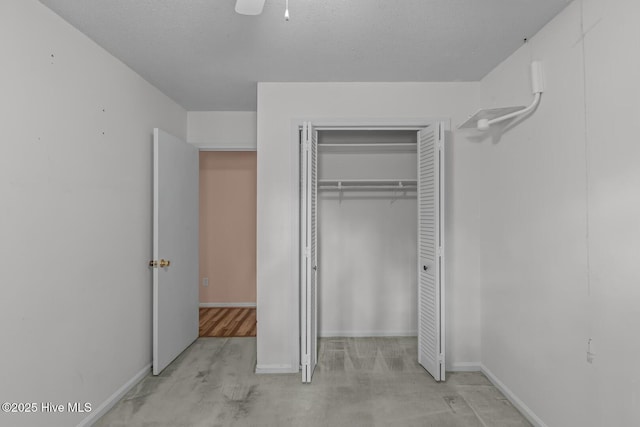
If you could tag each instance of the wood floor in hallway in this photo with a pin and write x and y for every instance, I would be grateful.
(228, 322)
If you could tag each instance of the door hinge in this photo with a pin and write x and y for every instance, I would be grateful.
(307, 252)
(441, 358)
(306, 359)
(440, 250)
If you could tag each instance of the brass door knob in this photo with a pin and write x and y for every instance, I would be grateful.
(162, 263)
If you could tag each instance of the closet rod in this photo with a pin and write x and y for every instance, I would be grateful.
(368, 187)
(368, 145)
(368, 181)
(363, 184)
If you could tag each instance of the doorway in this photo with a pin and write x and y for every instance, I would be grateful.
(227, 285)
(371, 228)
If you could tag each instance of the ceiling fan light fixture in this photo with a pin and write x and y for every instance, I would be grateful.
(249, 7)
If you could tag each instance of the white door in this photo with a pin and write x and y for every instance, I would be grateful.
(431, 250)
(308, 245)
(175, 247)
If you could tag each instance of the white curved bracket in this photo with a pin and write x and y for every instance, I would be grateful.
(484, 124)
(483, 119)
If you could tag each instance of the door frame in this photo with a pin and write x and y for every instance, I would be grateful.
(199, 148)
(342, 123)
(222, 148)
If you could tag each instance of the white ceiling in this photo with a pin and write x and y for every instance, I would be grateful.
(206, 57)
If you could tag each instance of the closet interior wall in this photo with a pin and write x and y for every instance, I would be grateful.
(367, 280)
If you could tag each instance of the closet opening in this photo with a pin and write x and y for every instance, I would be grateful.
(367, 246)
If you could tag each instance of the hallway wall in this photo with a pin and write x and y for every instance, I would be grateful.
(228, 227)
(225, 130)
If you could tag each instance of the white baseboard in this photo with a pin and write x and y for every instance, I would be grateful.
(465, 367)
(364, 334)
(277, 369)
(226, 304)
(114, 398)
(515, 401)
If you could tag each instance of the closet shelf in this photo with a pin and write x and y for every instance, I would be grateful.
(368, 184)
(393, 147)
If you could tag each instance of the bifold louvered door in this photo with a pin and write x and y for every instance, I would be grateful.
(430, 250)
(308, 244)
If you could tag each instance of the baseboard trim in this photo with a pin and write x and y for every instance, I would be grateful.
(515, 400)
(114, 398)
(465, 367)
(364, 334)
(276, 369)
(227, 304)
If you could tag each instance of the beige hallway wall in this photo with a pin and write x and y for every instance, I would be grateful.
(228, 227)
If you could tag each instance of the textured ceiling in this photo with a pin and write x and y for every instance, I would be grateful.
(206, 57)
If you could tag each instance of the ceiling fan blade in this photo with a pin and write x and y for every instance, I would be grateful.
(249, 7)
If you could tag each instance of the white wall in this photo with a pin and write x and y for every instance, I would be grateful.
(278, 105)
(367, 262)
(228, 130)
(75, 221)
(560, 238)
